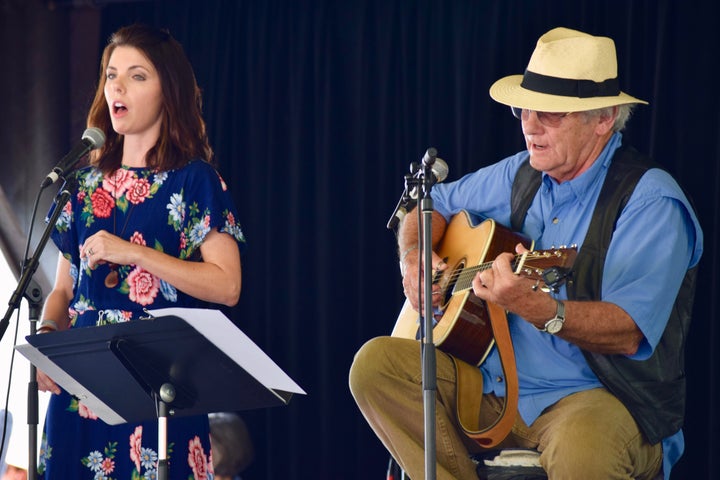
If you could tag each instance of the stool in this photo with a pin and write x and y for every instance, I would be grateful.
(510, 464)
(505, 464)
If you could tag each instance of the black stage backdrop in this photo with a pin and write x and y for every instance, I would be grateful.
(316, 110)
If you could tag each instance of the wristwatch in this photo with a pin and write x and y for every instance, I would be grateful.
(555, 324)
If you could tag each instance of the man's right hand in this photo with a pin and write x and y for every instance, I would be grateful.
(412, 282)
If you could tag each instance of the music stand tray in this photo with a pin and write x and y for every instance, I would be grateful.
(118, 370)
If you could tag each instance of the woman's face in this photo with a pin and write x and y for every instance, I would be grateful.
(133, 93)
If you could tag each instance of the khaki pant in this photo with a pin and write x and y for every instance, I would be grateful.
(587, 435)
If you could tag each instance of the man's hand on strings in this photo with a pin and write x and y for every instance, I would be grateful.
(412, 280)
(515, 293)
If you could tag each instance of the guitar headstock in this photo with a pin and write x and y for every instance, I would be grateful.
(533, 264)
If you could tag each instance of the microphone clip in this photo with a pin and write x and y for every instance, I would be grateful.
(418, 183)
(407, 201)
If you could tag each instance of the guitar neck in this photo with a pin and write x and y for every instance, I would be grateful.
(466, 275)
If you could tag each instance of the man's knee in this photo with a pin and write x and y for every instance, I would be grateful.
(371, 363)
(593, 436)
(362, 370)
(578, 453)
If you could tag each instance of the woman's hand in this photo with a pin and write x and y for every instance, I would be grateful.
(104, 247)
(46, 384)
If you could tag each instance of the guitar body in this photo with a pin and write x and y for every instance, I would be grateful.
(463, 327)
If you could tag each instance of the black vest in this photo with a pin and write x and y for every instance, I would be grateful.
(653, 390)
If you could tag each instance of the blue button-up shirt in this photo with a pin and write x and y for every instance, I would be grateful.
(657, 239)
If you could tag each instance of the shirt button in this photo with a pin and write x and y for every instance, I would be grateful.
(556, 220)
(499, 379)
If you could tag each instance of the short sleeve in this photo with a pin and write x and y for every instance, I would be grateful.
(201, 205)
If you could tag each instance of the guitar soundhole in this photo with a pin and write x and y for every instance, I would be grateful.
(448, 281)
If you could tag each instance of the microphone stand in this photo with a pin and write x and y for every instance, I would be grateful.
(429, 363)
(421, 179)
(34, 297)
(35, 300)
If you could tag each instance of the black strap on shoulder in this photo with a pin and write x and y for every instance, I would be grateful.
(525, 186)
(626, 169)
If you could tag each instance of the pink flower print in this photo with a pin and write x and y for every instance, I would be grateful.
(107, 465)
(197, 459)
(135, 445)
(137, 238)
(143, 285)
(85, 412)
(118, 182)
(102, 203)
(138, 191)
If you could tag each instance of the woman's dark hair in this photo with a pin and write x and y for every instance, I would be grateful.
(182, 134)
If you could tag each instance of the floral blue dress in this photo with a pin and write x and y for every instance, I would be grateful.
(172, 212)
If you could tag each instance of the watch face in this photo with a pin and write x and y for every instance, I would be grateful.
(554, 326)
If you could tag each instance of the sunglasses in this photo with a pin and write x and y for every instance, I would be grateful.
(549, 119)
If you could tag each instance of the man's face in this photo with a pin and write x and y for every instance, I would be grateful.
(565, 145)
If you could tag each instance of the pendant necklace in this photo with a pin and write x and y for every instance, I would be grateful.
(112, 279)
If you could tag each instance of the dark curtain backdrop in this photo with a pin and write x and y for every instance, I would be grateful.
(316, 110)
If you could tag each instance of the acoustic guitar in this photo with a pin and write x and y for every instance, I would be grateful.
(463, 327)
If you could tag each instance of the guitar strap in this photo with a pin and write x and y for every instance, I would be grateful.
(469, 384)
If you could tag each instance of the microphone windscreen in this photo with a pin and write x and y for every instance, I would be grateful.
(95, 136)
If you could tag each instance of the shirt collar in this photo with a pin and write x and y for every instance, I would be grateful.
(584, 183)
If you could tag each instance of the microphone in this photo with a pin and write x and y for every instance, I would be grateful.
(439, 172)
(429, 157)
(92, 138)
(439, 169)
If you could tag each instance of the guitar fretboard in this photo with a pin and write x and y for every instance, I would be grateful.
(462, 278)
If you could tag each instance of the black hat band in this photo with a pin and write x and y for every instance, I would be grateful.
(568, 87)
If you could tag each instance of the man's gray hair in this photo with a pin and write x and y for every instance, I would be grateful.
(623, 115)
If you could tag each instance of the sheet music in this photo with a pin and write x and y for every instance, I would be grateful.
(221, 331)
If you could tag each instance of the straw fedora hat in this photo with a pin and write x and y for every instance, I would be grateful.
(569, 71)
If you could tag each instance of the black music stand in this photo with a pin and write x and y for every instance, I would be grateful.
(180, 361)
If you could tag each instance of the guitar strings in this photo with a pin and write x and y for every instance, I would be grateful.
(461, 279)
